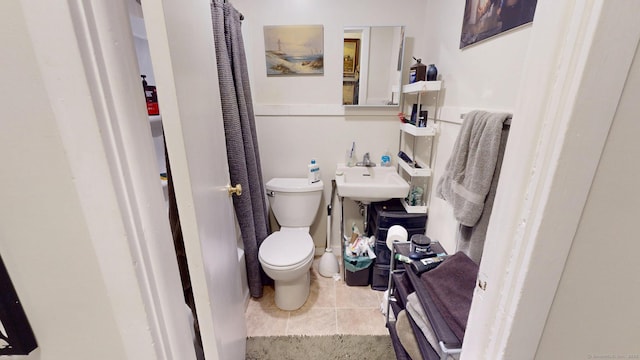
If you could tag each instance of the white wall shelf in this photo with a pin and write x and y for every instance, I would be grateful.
(414, 172)
(418, 88)
(421, 86)
(418, 131)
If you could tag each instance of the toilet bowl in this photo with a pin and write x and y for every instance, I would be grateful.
(286, 255)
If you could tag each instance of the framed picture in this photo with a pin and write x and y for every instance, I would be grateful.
(484, 19)
(294, 50)
(351, 57)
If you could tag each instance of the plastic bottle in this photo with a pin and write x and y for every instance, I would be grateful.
(314, 172)
(385, 160)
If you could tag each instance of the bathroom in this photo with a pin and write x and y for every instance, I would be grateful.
(315, 127)
(314, 118)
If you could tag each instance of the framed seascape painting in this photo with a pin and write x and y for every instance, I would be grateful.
(294, 50)
(484, 19)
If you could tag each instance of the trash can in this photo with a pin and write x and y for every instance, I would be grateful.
(357, 270)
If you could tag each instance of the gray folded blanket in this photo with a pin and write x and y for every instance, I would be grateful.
(451, 288)
(467, 177)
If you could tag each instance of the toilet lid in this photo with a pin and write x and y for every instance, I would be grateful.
(286, 248)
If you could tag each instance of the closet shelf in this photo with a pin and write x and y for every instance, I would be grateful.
(413, 172)
(421, 86)
(418, 131)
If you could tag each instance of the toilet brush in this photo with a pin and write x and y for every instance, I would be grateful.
(329, 265)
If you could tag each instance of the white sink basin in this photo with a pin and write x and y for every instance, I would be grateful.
(370, 184)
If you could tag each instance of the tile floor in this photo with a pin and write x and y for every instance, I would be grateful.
(332, 308)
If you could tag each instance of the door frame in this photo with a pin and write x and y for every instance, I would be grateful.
(89, 68)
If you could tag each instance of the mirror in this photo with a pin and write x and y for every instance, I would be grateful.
(372, 65)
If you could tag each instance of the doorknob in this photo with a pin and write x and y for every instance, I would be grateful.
(235, 190)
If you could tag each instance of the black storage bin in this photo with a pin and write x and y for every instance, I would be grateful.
(382, 252)
(382, 216)
(380, 277)
(388, 213)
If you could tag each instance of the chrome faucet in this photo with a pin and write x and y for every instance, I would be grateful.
(366, 161)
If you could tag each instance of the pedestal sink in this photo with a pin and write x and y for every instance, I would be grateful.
(370, 184)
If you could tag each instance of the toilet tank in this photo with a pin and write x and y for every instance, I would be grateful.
(294, 201)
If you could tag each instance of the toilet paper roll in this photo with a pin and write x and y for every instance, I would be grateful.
(396, 233)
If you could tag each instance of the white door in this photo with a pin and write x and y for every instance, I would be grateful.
(186, 76)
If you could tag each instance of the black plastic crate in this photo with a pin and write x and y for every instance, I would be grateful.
(380, 277)
(389, 213)
(383, 254)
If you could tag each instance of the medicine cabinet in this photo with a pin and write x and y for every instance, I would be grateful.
(372, 65)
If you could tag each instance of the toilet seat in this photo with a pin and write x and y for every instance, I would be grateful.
(287, 249)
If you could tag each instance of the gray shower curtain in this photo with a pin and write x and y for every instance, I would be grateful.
(241, 138)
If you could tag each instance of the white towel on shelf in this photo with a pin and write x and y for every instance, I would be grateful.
(415, 309)
(467, 177)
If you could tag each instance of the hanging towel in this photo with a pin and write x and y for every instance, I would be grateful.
(467, 177)
(471, 239)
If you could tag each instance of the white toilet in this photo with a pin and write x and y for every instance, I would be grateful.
(286, 255)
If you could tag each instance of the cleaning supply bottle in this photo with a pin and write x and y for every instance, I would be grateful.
(314, 172)
(385, 160)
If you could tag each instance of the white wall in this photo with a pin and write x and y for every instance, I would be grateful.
(599, 291)
(483, 76)
(333, 15)
(300, 118)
